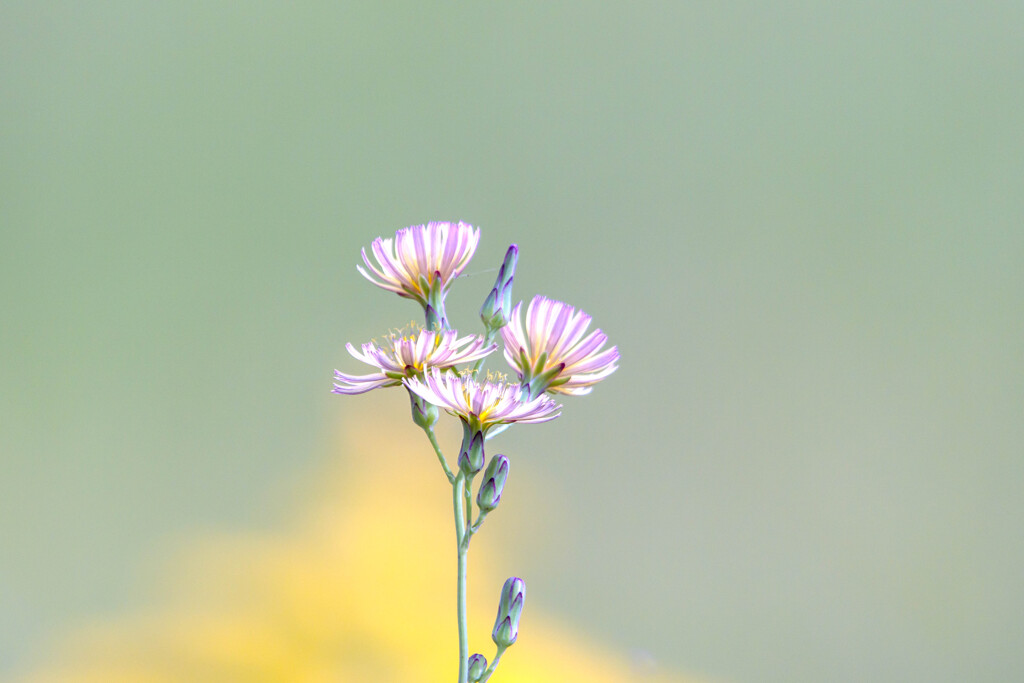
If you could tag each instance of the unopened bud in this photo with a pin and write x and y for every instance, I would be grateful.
(424, 414)
(498, 305)
(510, 607)
(489, 495)
(471, 455)
(477, 666)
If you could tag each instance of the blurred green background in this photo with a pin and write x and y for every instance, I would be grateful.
(802, 224)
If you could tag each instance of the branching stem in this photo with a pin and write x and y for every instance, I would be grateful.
(440, 455)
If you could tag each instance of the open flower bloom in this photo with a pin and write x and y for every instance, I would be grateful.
(481, 407)
(400, 356)
(551, 352)
(420, 263)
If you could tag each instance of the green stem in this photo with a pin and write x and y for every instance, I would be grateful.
(488, 340)
(458, 491)
(471, 527)
(475, 526)
(440, 455)
(494, 665)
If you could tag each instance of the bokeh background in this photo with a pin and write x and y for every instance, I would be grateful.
(802, 224)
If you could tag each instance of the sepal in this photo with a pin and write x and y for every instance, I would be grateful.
(471, 455)
(424, 413)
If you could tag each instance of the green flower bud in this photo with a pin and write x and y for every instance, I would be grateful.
(498, 305)
(510, 607)
(477, 666)
(489, 495)
(424, 414)
(491, 307)
(471, 455)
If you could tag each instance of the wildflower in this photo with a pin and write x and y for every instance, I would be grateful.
(498, 305)
(481, 407)
(421, 262)
(402, 355)
(551, 353)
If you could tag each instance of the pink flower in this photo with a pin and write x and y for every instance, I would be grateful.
(399, 356)
(481, 407)
(421, 262)
(551, 352)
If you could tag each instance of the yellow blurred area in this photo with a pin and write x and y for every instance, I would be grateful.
(359, 587)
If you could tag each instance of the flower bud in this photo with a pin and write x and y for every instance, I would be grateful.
(477, 666)
(489, 495)
(424, 414)
(498, 305)
(471, 455)
(510, 607)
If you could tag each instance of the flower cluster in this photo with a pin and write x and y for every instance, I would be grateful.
(552, 351)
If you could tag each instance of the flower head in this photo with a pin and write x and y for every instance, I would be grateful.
(481, 406)
(421, 262)
(404, 354)
(551, 352)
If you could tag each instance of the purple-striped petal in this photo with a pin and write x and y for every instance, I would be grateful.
(555, 334)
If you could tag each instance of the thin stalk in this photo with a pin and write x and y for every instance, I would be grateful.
(488, 339)
(440, 455)
(494, 665)
(458, 495)
(473, 528)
